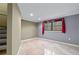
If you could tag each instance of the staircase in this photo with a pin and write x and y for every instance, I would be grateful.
(3, 37)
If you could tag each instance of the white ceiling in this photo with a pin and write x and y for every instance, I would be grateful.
(46, 11)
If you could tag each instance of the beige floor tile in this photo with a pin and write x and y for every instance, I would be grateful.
(46, 47)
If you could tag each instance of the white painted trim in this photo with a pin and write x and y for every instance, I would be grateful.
(19, 48)
(63, 42)
(53, 31)
(69, 44)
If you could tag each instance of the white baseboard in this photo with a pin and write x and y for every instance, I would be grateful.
(19, 48)
(63, 42)
(28, 39)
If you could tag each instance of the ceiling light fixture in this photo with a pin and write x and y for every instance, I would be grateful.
(39, 19)
(31, 14)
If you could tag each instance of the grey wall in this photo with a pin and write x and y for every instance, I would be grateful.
(28, 29)
(72, 31)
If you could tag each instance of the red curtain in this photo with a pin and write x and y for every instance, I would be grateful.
(63, 26)
(42, 28)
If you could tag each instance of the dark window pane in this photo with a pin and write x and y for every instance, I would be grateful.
(57, 26)
(48, 26)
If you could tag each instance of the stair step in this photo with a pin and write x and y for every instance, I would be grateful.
(3, 47)
(2, 27)
(3, 31)
(2, 43)
(3, 40)
(3, 37)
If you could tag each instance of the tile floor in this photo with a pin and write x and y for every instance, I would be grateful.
(40, 46)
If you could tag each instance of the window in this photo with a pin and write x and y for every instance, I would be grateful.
(57, 26)
(48, 26)
(53, 26)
